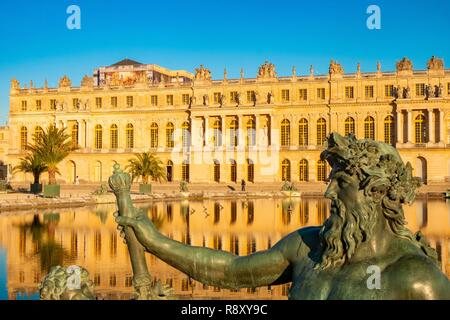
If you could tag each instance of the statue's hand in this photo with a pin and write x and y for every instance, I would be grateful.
(141, 224)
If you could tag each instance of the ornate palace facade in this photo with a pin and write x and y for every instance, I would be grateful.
(264, 129)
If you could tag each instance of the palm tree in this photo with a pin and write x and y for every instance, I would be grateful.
(146, 165)
(31, 163)
(52, 146)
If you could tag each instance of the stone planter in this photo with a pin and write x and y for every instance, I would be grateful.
(145, 188)
(35, 188)
(52, 190)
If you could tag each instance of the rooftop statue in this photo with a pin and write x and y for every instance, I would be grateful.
(435, 64)
(364, 238)
(404, 65)
(335, 68)
(65, 82)
(87, 82)
(15, 84)
(202, 73)
(267, 70)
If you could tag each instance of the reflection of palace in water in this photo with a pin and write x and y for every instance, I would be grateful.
(88, 237)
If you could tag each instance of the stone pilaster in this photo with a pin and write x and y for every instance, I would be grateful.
(399, 124)
(431, 127)
(409, 126)
(441, 139)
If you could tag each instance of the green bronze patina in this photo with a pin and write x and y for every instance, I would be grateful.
(366, 230)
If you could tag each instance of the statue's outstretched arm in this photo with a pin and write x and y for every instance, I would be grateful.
(213, 267)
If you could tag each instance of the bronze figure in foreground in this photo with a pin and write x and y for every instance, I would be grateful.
(364, 234)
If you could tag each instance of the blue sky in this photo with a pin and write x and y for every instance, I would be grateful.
(35, 43)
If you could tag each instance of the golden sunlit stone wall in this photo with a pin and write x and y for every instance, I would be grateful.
(279, 120)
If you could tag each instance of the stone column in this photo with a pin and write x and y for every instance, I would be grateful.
(431, 127)
(359, 122)
(399, 122)
(311, 139)
(223, 129)
(140, 140)
(82, 133)
(207, 138)
(162, 135)
(121, 135)
(409, 127)
(379, 126)
(195, 141)
(274, 131)
(241, 132)
(87, 141)
(257, 133)
(441, 139)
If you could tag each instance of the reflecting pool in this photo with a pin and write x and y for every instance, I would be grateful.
(33, 241)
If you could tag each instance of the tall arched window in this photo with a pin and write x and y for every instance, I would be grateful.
(170, 141)
(321, 131)
(23, 138)
(98, 137)
(38, 132)
(154, 135)
(285, 133)
(217, 127)
(74, 134)
(303, 170)
(369, 128)
(420, 128)
(251, 132)
(321, 170)
(130, 136)
(216, 171)
(113, 137)
(186, 134)
(349, 126)
(250, 171)
(303, 132)
(233, 171)
(389, 129)
(234, 127)
(286, 170)
(185, 171)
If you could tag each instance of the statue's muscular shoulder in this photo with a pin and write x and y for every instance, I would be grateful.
(300, 243)
(416, 276)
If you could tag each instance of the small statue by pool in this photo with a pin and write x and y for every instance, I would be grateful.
(71, 283)
(362, 251)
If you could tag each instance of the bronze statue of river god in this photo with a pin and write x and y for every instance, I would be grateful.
(362, 251)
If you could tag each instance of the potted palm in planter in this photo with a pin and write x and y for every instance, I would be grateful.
(184, 189)
(52, 147)
(146, 165)
(32, 163)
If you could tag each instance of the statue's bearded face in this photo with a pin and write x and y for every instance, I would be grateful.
(350, 223)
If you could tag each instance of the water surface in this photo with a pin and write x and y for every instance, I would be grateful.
(33, 241)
